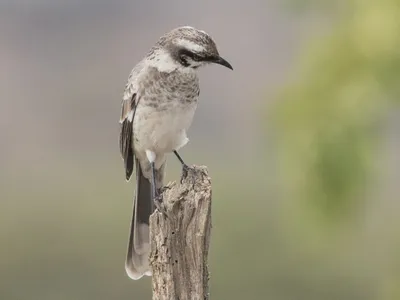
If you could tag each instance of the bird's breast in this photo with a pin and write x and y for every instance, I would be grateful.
(161, 122)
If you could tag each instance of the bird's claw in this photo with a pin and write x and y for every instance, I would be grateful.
(158, 203)
(185, 169)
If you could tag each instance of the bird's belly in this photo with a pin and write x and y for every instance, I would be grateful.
(162, 131)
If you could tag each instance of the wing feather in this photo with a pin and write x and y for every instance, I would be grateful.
(126, 135)
(128, 109)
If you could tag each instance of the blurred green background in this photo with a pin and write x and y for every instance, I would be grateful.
(301, 140)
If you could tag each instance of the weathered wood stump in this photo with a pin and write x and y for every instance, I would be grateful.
(180, 238)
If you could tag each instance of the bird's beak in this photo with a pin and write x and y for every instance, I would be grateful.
(219, 60)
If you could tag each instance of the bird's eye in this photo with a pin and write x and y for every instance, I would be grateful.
(183, 60)
(186, 56)
(196, 57)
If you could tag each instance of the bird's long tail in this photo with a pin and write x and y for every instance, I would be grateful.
(137, 260)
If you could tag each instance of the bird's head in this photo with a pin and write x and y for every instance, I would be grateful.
(186, 48)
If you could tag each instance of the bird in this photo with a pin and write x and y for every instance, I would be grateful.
(158, 105)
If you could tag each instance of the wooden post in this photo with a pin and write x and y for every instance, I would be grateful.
(180, 238)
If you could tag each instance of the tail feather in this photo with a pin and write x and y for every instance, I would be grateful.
(137, 260)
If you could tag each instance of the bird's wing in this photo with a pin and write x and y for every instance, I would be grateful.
(126, 134)
(128, 109)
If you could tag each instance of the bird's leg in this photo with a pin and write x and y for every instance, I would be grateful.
(157, 200)
(180, 159)
(185, 167)
(154, 192)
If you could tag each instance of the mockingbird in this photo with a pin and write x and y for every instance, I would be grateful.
(158, 105)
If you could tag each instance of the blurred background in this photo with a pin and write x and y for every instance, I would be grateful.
(301, 140)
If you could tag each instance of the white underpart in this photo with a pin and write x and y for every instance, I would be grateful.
(160, 132)
(189, 45)
(185, 140)
(151, 156)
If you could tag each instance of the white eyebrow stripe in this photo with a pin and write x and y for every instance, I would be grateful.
(189, 45)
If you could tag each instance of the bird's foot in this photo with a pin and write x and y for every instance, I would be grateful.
(159, 204)
(185, 170)
(185, 167)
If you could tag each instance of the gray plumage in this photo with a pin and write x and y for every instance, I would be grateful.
(158, 105)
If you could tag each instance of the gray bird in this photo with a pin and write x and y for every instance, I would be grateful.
(158, 105)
